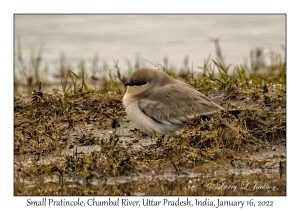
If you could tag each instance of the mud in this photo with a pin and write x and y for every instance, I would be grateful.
(84, 144)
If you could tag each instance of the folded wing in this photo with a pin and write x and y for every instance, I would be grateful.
(169, 105)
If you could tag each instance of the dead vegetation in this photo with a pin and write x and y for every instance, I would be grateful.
(51, 124)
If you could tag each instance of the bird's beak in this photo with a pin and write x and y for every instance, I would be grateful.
(128, 84)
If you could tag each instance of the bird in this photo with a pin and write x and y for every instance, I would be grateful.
(156, 102)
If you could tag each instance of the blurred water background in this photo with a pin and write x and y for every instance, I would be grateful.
(46, 46)
(151, 37)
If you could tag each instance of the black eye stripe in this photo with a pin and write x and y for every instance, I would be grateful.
(140, 84)
(135, 84)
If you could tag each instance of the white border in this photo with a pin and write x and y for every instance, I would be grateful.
(254, 6)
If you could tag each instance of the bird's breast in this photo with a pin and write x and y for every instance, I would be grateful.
(139, 119)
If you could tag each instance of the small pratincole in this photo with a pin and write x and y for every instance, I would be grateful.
(154, 101)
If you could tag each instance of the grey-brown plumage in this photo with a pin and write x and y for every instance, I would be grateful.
(156, 102)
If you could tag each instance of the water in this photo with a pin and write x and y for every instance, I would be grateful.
(151, 37)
